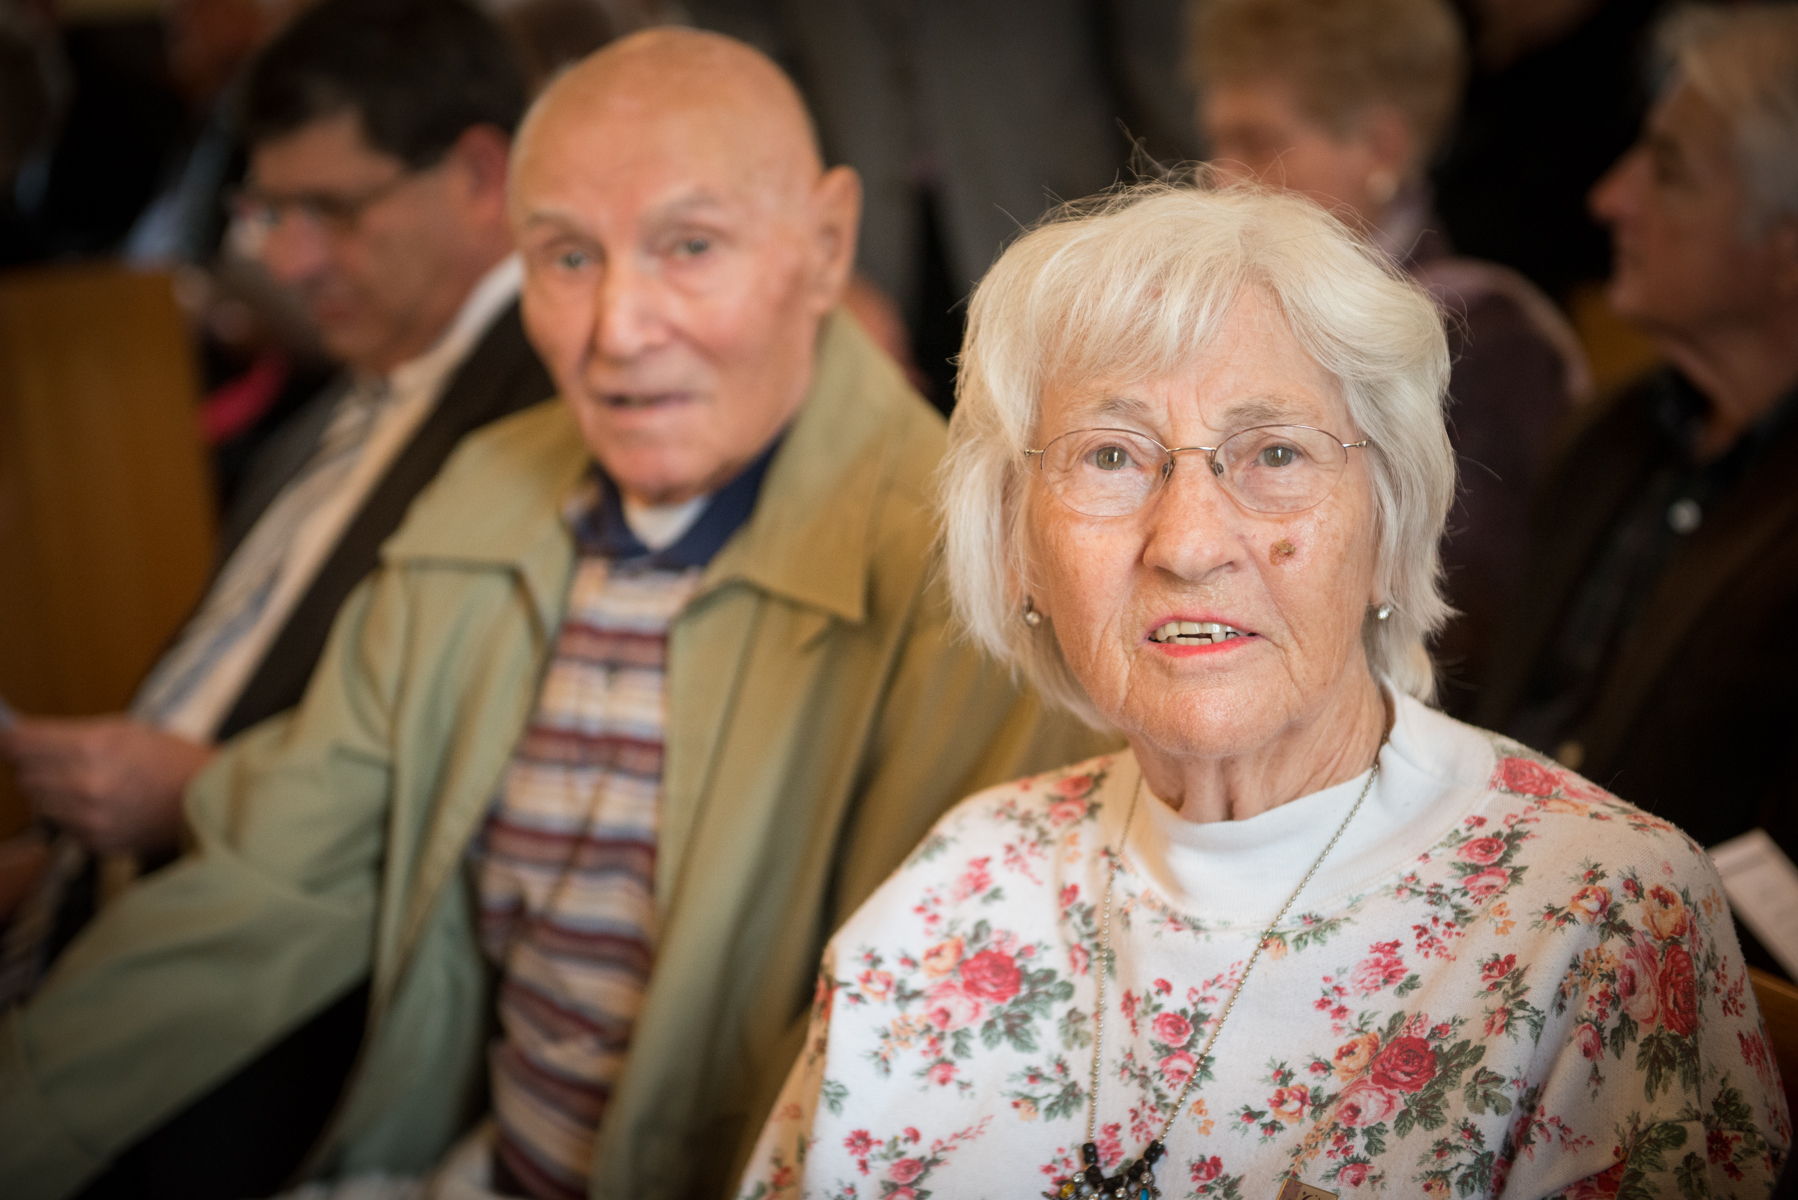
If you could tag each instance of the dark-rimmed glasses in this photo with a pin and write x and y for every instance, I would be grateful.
(331, 212)
(1266, 469)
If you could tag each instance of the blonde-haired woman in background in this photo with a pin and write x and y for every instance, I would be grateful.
(1347, 102)
(1307, 932)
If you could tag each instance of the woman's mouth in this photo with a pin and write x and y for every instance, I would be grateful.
(1196, 633)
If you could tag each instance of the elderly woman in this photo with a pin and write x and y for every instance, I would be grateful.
(1307, 935)
(1347, 102)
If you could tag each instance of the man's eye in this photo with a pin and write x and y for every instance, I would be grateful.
(692, 247)
(573, 260)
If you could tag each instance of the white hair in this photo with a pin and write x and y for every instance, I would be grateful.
(1744, 63)
(1135, 284)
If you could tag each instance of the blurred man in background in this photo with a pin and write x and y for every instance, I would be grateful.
(1654, 642)
(379, 133)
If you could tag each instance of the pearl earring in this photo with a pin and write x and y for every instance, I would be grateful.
(1382, 612)
(1032, 618)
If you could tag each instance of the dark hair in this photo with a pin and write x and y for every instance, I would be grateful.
(419, 73)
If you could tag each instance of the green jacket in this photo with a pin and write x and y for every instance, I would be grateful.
(821, 715)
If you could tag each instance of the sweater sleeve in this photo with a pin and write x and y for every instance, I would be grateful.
(200, 967)
(1667, 1074)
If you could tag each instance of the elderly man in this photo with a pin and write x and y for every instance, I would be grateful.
(379, 133)
(1653, 648)
(652, 686)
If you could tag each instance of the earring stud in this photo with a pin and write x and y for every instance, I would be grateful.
(1032, 618)
(1382, 612)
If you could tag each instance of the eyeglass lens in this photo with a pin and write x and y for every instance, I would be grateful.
(1269, 469)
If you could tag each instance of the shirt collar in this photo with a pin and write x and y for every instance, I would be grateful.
(595, 513)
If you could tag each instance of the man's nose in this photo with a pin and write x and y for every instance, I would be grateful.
(1611, 197)
(1192, 520)
(295, 250)
(627, 315)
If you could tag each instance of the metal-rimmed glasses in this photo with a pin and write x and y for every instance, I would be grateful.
(1266, 469)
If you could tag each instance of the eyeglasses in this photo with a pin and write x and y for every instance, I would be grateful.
(333, 213)
(1267, 469)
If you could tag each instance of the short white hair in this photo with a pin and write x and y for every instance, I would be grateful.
(1135, 285)
(1744, 63)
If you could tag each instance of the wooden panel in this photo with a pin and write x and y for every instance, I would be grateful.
(106, 520)
(1779, 1009)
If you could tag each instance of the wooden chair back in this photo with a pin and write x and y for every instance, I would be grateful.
(106, 502)
(1778, 1000)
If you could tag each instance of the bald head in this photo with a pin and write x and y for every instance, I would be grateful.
(731, 98)
(682, 242)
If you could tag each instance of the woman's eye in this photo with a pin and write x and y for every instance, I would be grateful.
(1111, 458)
(1277, 456)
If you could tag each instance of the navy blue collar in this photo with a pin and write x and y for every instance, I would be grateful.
(600, 528)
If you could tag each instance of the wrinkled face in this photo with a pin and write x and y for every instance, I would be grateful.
(672, 285)
(1257, 131)
(381, 284)
(1295, 586)
(1674, 203)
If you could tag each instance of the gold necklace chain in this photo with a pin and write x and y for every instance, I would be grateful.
(1138, 1178)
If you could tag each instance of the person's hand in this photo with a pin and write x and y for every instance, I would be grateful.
(113, 782)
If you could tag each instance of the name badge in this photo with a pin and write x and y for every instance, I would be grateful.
(1294, 1190)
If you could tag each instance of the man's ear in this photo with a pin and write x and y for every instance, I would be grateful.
(480, 155)
(837, 207)
(1389, 138)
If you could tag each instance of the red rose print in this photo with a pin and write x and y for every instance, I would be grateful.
(1638, 989)
(1482, 850)
(949, 1008)
(942, 1073)
(858, 1142)
(1679, 992)
(1591, 1044)
(905, 1170)
(1494, 970)
(1522, 775)
(1205, 1170)
(1485, 883)
(990, 976)
(1172, 1029)
(1353, 1173)
(1177, 1068)
(1078, 959)
(1364, 1103)
(1381, 968)
(1602, 1186)
(1406, 1064)
(903, 1193)
(1063, 811)
(1590, 903)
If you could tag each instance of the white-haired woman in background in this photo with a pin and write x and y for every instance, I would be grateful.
(1307, 935)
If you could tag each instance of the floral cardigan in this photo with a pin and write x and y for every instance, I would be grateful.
(1502, 982)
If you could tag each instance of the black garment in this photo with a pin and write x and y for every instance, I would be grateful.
(1689, 708)
(249, 1135)
(500, 376)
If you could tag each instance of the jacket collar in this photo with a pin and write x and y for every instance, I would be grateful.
(807, 540)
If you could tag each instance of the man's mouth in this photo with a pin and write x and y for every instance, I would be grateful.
(630, 400)
(1195, 633)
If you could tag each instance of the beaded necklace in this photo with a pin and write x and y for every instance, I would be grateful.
(1135, 1179)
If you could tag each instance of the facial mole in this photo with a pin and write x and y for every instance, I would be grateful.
(1280, 551)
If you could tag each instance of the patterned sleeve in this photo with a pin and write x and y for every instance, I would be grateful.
(1667, 1059)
